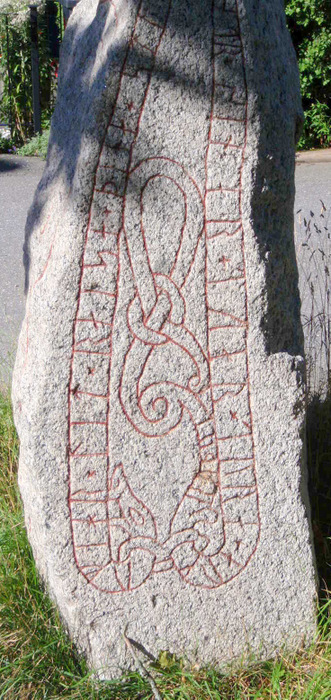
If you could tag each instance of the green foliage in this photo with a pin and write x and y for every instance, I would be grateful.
(15, 51)
(7, 145)
(309, 22)
(317, 127)
(16, 102)
(306, 12)
(37, 146)
(18, 6)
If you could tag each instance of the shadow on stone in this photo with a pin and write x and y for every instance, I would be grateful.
(75, 128)
(281, 323)
(272, 208)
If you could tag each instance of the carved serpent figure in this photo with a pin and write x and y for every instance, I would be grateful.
(214, 530)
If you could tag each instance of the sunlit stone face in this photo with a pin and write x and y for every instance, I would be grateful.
(161, 442)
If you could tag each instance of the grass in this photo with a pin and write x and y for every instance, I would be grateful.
(37, 659)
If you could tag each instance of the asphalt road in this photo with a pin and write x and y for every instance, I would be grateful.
(18, 180)
(313, 182)
(20, 176)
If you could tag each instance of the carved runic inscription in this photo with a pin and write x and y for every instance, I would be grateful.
(213, 529)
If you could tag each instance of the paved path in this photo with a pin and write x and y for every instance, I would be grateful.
(18, 180)
(313, 181)
(313, 202)
(20, 176)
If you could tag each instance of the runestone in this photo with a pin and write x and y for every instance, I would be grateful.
(158, 387)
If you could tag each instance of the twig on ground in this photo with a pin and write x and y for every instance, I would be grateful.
(141, 668)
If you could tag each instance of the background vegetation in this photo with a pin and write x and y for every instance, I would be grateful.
(309, 22)
(15, 54)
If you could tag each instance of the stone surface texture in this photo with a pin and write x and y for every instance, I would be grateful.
(158, 387)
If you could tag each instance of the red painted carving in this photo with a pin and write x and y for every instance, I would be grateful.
(214, 529)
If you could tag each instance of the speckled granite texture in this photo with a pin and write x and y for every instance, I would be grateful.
(158, 388)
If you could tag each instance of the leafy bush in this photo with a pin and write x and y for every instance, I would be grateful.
(37, 146)
(18, 7)
(15, 50)
(309, 22)
(6, 145)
